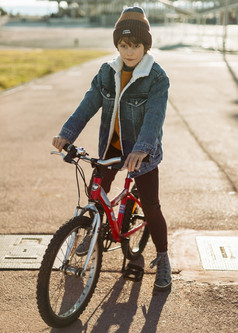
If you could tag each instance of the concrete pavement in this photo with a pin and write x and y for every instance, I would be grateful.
(198, 189)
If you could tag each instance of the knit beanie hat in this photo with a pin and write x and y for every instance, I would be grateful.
(132, 23)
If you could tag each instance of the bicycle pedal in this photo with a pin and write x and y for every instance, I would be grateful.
(133, 273)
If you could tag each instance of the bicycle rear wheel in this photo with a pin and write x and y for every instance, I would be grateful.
(62, 293)
(133, 217)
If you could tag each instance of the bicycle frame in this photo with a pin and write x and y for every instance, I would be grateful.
(98, 193)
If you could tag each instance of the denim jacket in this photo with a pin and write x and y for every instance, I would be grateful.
(141, 107)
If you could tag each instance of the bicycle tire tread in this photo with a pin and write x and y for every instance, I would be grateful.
(126, 227)
(43, 277)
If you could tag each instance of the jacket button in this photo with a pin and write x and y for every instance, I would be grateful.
(108, 95)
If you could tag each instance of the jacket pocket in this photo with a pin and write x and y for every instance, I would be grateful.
(107, 107)
(108, 96)
(136, 110)
(136, 102)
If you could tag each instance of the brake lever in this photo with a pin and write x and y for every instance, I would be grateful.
(53, 152)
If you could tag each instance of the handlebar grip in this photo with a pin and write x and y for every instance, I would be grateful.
(72, 152)
(67, 147)
(118, 166)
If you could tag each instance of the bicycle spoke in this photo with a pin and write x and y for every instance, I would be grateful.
(62, 293)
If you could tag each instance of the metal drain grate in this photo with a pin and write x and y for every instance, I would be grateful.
(218, 253)
(22, 251)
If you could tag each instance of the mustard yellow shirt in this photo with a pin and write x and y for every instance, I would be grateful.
(125, 78)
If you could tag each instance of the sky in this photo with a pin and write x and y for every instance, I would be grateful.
(29, 7)
(22, 3)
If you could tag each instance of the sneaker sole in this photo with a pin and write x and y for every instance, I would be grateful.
(163, 288)
(81, 254)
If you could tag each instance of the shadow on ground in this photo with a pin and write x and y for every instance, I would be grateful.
(117, 315)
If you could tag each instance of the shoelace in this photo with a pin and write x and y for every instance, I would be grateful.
(155, 261)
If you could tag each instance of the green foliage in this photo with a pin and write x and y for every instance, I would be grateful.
(21, 66)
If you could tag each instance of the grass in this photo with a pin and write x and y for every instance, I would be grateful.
(21, 66)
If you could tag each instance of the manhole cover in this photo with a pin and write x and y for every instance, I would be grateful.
(218, 253)
(22, 251)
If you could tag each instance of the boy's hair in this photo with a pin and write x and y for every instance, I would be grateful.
(135, 41)
(133, 23)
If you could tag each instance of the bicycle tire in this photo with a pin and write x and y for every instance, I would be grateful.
(61, 298)
(137, 242)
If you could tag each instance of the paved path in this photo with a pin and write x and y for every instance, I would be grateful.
(198, 190)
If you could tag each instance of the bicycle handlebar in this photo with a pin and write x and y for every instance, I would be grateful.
(73, 152)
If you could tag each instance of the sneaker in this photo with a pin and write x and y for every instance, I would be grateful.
(163, 279)
(83, 247)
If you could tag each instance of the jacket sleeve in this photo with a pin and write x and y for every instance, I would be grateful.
(88, 107)
(151, 129)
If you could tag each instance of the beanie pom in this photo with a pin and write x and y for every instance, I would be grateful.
(133, 23)
(134, 9)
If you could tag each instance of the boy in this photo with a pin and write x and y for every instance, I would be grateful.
(132, 91)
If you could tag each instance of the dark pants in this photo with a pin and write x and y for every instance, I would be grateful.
(148, 190)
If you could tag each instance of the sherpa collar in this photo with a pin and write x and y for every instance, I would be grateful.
(141, 70)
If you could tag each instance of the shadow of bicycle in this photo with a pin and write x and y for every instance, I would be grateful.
(118, 310)
(152, 316)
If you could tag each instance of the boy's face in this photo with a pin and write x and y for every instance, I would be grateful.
(131, 54)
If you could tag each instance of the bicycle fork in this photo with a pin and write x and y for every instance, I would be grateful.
(94, 231)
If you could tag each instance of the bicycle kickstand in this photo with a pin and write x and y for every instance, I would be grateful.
(131, 272)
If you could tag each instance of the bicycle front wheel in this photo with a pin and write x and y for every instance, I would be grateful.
(62, 293)
(133, 217)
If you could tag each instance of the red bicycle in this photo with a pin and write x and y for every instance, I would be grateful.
(72, 262)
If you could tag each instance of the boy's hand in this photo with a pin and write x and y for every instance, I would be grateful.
(133, 161)
(59, 142)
